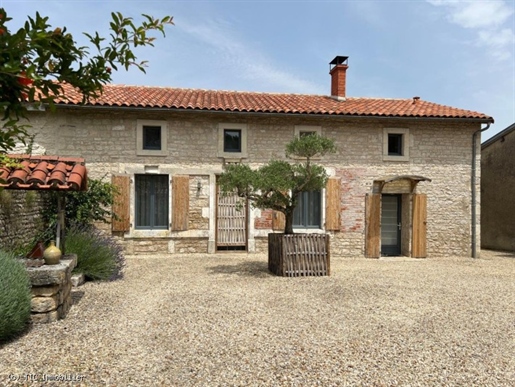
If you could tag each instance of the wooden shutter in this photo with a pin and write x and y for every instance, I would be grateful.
(332, 205)
(373, 225)
(121, 203)
(180, 202)
(419, 233)
(278, 221)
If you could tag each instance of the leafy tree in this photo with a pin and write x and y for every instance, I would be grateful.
(277, 185)
(37, 60)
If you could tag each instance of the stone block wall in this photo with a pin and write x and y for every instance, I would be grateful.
(51, 290)
(20, 217)
(441, 151)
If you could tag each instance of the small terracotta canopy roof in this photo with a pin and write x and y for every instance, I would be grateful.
(404, 177)
(413, 179)
(122, 96)
(44, 173)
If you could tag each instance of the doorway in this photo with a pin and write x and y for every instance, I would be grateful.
(391, 225)
(231, 223)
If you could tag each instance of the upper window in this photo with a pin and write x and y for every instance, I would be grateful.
(151, 202)
(232, 141)
(151, 138)
(308, 212)
(395, 144)
(305, 130)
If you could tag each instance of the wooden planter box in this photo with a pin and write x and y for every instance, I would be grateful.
(299, 255)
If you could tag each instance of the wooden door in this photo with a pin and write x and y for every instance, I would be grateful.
(231, 223)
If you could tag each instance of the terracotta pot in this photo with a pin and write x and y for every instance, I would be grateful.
(52, 254)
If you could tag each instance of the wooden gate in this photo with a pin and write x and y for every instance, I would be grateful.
(231, 223)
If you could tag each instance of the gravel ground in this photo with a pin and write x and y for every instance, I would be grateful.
(223, 320)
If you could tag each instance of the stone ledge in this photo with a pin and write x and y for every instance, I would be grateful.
(78, 279)
(52, 274)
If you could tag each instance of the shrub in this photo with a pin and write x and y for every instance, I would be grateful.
(99, 257)
(83, 207)
(14, 296)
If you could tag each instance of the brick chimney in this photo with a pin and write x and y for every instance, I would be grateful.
(338, 69)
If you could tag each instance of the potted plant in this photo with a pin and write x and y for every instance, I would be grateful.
(277, 185)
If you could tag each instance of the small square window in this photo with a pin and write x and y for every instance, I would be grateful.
(232, 140)
(395, 144)
(151, 137)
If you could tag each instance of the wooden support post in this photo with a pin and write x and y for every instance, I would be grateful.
(61, 232)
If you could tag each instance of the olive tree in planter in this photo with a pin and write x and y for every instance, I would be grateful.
(277, 186)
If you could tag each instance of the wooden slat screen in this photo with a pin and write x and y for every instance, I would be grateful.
(419, 233)
(332, 205)
(180, 202)
(121, 207)
(373, 225)
(231, 221)
(299, 255)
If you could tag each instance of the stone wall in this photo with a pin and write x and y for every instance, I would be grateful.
(51, 290)
(20, 217)
(441, 151)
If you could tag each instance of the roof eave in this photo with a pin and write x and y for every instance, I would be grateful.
(283, 114)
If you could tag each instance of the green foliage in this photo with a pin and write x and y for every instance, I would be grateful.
(276, 185)
(99, 257)
(310, 146)
(14, 296)
(37, 59)
(82, 207)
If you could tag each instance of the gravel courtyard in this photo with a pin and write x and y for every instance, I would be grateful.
(223, 320)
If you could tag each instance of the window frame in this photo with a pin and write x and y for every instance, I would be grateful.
(299, 129)
(222, 127)
(152, 227)
(141, 124)
(405, 139)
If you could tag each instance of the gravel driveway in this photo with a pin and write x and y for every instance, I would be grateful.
(223, 320)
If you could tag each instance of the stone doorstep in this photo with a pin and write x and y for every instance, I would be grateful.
(78, 279)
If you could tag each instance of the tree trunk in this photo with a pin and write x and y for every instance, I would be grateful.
(288, 227)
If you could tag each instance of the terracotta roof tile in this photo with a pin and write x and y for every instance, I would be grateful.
(235, 101)
(45, 173)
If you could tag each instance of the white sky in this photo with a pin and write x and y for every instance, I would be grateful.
(457, 53)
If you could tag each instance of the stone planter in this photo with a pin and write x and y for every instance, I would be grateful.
(299, 255)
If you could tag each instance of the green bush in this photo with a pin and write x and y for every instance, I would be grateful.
(99, 257)
(14, 296)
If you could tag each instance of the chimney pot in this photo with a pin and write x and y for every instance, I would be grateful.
(338, 69)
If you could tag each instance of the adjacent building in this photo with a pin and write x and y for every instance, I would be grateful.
(498, 191)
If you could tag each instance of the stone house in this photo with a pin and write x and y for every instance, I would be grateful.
(498, 191)
(400, 181)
